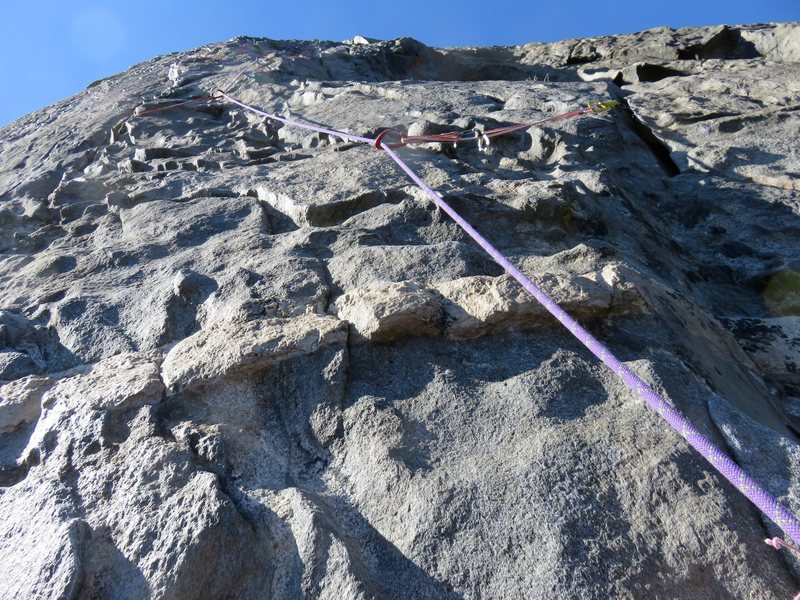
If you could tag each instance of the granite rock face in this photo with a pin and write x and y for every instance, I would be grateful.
(241, 360)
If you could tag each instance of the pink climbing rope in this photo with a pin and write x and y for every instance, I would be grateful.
(778, 543)
(461, 136)
(765, 501)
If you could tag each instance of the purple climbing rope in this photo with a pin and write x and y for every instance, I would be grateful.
(341, 134)
(718, 459)
(765, 501)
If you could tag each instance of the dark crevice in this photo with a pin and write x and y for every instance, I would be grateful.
(648, 72)
(12, 475)
(727, 44)
(659, 149)
(708, 117)
(329, 215)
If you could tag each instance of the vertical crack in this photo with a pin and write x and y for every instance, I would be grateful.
(658, 148)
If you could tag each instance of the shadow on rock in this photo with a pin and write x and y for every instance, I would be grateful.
(27, 349)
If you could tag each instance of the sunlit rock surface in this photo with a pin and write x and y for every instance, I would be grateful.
(242, 360)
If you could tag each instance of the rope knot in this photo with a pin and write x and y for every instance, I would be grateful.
(778, 543)
(400, 137)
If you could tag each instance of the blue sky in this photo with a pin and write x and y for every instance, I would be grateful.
(52, 49)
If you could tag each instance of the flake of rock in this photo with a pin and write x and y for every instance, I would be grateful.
(382, 312)
(20, 401)
(478, 305)
(227, 347)
(463, 308)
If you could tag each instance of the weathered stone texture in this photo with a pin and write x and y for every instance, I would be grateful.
(242, 360)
